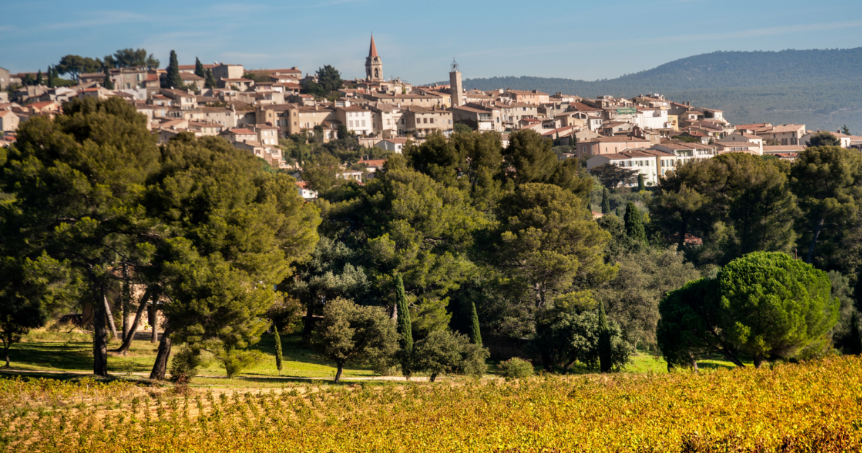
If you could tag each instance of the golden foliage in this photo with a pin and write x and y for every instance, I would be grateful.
(815, 406)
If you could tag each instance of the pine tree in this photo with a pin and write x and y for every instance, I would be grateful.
(845, 130)
(173, 79)
(278, 357)
(606, 203)
(604, 340)
(199, 68)
(475, 332)
(39, 78)
(641, 183)
(634, 224)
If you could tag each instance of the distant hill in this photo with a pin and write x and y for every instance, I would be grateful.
(821, 88)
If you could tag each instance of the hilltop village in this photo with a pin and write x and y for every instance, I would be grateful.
(256, 109)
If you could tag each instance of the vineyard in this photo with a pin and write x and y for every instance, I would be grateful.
(815, 406)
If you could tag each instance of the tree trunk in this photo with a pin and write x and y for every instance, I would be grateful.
(340, 366)
(729, 356)
(155, 337)
(133, 329)
(309, 322)
(160, 368)
(100, 335)
(693, 362)
(126, 303)
(814, 240)
(758, 360)
(6, 346)
(110, 316)
(433, 377)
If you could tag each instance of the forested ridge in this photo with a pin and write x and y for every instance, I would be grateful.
(820, 88)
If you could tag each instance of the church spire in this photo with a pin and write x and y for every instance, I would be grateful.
(372, 52)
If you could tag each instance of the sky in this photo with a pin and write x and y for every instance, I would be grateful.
(418, 40)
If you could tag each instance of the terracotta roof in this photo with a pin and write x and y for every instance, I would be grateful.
(373, 162)
(241, 132)
(372, 52)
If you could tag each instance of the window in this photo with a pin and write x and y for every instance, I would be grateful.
(363, 123)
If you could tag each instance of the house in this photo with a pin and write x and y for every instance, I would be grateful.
(192, 81)
(266, 135)
(350, 175)
(396, 145)
(740, 137)
(240, 135)
(8, 121)
(372, 165)
(423, 121)
(228, 71)
(98, 93)
(478, 118)
(5, 78)
(647, 162)
(409, 100)
(182, 99)
(92, 77)
(127, 78)
(534, 97)
(357, 119)
(239, 83)
(303, 118)
(685, 152)
(738, 147)
(609, 145)
(305, 192)
(44, 108)
(786, 134)
(386, 118)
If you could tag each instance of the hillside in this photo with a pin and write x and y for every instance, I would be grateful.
(821, 88)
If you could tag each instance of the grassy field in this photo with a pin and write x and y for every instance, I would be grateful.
(813, 407)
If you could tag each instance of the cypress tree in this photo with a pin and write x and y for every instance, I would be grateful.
(606, 203)
(634, 224)
(39, 78)
(604, 340)
(50, 77)
(173, 79)
(278, 357)
(618, 212)
(475, 332)
(211, 81)
(405, 328)
(109, 84)
(641, 183)
(199, 68)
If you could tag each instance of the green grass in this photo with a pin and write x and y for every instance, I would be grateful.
(64, 350)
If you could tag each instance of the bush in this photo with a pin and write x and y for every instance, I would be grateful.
(185, 364)
(515, 368)
(445, 352)
(236, 361)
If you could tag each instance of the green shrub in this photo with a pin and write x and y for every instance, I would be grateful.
(515, 368)
(185, 364)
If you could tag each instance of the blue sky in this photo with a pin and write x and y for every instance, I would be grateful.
(417, 40)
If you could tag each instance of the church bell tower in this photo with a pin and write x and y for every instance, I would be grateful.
(373, 64)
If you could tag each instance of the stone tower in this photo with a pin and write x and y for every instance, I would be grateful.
(373, 64)
(455, 87)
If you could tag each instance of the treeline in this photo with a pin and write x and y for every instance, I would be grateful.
(454, 240)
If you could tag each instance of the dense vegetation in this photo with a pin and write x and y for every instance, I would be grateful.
(819, 88)
(789, 408)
